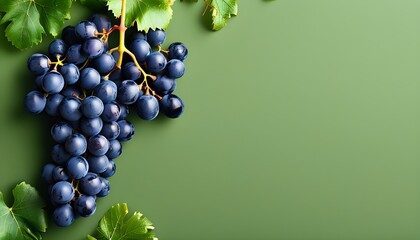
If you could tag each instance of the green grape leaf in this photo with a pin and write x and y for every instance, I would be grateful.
(113, 225)
(29, 19)
(146, 13)
(221, 12)
(25, 219)
(94, 4)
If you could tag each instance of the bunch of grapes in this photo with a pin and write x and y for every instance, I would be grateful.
(88, 91)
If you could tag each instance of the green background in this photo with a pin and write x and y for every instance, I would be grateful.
(302, 121)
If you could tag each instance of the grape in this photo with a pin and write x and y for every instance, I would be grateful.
(93, 47)
(147, 107)
(172, 106)
(53, 82)
(35, 102)
(126, 130)
(110, 130)
(89, 78)
(71, 91)
(63, 215)
(75, 55)
(105, 188)
(175, 68)
(59, 174)
(53, 102)
(110, 170)
(85, 30)
(91, 126)
(57, 48)
(92, 107)
(77, 167)
(178, 51)
(85, 205)
(156, 62)
(69, 109)
(164, 84)
(90, 184)
(124, 111)
(59, 154)
(106, 91)
(98, 164)
(102, 22)
(128, 92)
(156, 37)
(76, 144)
(130, 71)
(46, 173)
(98, 145)
(111, 112)
(62, 192)
(139, 35)
(104, 63)
(38, 80)
(38, 64)
(70, 73)
(140, 48)
(115, 149)
(61, 131)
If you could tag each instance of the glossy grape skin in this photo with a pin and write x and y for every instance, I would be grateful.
(53, 82)
(59, 174)
(35, 102)
(38, 64)
(124, 111)
(175, 68)
(46, 173)
(98, 145)
(138, 35)
(178, 51)
(93, 47)
(164, 84)
(53, 102)
(70, 109)
(156, 62)
(126, 131)
(104, 63)
(130, 71)
(38, 81)
(140, 48)
(172, 106)
(69, 36)
(85, 30)
(70, 73)
(59, 155)
(62, 192)
(98, 164)
(63, 215)
(71, 91)
(102, 22)
(89, 78)
(106, 91)
(77, 167)
(92, 107)
(128, 92)
(110, 130)
(90, 184)
(75, 54)
(85, 205)
(111, 112)
(91, 126)
(76, 144)
(115, 149)
(57, 48)
(61, 131)
(156, 37)
(105, 188)
(110, 170)
(147, 107)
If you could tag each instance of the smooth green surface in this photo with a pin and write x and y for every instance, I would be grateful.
(302, 122)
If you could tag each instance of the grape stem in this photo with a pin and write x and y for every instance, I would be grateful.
(121, 49)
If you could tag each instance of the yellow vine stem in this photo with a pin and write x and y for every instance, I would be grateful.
(121, 49)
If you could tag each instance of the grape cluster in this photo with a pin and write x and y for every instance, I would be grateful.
(89, 97)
